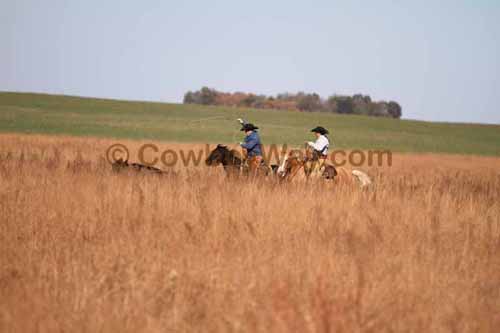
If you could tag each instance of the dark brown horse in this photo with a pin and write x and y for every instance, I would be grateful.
(233, 162)
(230, 159)
(121, 165)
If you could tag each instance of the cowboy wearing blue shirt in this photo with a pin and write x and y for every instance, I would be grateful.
(252, 144)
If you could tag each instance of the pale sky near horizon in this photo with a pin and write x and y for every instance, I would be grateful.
(439, 59)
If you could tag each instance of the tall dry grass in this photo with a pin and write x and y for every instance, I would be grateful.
(86, 250)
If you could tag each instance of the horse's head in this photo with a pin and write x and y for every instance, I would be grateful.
(289, 163)
(282, 165)
(217, 155)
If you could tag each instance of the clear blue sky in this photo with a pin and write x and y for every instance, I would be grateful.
(439, 59)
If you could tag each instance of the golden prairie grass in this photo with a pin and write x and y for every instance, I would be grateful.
(84, 249)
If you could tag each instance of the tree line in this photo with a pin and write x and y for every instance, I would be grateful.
(307, 102)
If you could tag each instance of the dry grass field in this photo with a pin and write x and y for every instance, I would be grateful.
(85, 250)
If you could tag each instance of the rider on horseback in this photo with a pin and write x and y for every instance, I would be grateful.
(319, 149)
(252, 145)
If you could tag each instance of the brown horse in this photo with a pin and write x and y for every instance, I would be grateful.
(230, 160)
(235, 164)
(121, 165)
(294, 168)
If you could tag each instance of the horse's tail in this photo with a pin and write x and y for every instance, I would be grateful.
(362, 178)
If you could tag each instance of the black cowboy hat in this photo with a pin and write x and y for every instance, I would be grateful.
(320, 130)
(249, 127)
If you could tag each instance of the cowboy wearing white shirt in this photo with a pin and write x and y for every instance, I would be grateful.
(320, 148)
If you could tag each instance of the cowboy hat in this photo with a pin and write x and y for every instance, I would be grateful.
(320, 130)
(249, 127)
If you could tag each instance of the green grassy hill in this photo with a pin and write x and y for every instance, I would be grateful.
(49, 114)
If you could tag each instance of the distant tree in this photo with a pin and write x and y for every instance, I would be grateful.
(189, 98)
(357, 104)
(285, 97)
(361, 104)
(248, 101)
(260, 102)
(331, 104)
(344, 104)
(380, 109)
(207, 96)
(395, 110)
(309, 102)
(360, 98)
